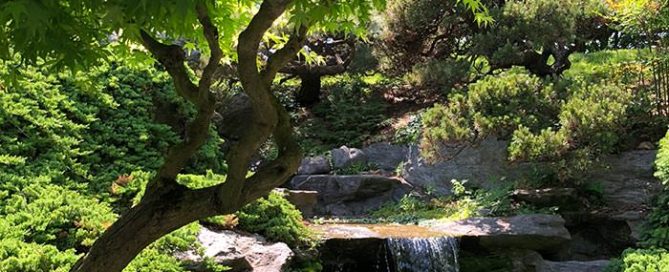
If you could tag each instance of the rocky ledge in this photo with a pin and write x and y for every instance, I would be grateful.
(242, 252)
(350, 195)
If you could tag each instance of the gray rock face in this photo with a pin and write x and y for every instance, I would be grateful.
(230, 118)
(314, 165)
(386, 156)
(483, 165)
(628, 186)
(539, 232)
(240, 251)
(350, 195)
(305, 201)
(344, 157)
(574, 266)
(628, 180)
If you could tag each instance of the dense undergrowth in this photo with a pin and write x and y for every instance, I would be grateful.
(75, 155)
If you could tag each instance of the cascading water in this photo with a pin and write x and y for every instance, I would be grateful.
(433, 254)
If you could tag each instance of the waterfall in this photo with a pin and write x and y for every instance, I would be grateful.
(434, 254)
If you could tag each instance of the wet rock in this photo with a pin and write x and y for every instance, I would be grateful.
(344, 157)
(385, 248)
(305, 201)
(385, 156)
(534, 232)
(348, 195)
(356, 255)
(242, 252)
(314, 165)
(574, 266)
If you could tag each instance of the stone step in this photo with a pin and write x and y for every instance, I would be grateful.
(350, 195)
(540, 232)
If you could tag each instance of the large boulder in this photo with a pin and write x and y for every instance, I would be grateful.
(242, 252)
(305, 201)
(345, 157)
(540, 232)
(628, 186)
(386, 156)
(482, 165)
(627, 180)
(314, 165)
(350, 195)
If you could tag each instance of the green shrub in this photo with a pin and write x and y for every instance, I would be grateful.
(641, 260)
(442, 74)
(567, 122)
(662, 161)
(592, 121)
(410, 133)
(464, 203)
(19, 256)
(276, 219)
(495, 105)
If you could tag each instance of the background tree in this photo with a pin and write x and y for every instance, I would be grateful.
(538, 34)
(334, 54)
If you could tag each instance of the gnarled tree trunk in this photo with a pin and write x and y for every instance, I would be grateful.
(167, 205)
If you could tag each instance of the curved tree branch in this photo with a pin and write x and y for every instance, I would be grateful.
(285, 54)
(172, 57)
(211, 34)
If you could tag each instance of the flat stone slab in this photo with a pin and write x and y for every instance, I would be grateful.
(374, 231)
(534, 232)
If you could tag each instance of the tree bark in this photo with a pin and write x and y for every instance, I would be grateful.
(310, 89)
(167, 205)
(145, 223)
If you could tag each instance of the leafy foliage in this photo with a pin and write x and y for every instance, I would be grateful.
(639, 260)
(58, 191)
(464, 203)
(444, 74)
(276, 219)
(496, 106)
